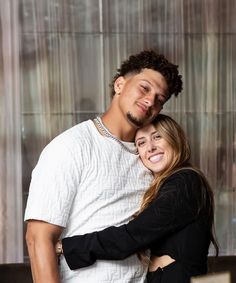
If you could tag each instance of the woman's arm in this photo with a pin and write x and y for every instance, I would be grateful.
(175, 207)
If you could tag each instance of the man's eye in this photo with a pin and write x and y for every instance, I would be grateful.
(159, 102)
(145, 88)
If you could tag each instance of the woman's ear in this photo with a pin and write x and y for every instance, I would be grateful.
(118, 84)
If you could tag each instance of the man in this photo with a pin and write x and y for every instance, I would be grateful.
(90, 177)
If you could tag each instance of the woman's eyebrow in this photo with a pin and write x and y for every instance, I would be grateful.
(139, 139)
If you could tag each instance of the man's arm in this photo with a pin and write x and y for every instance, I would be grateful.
(41, 238)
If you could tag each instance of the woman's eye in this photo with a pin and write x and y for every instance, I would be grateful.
(140, 143)
(156, 137)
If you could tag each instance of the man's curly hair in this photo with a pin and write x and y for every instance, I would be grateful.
(151, 60)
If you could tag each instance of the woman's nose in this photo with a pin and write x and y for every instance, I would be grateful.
(151, 146)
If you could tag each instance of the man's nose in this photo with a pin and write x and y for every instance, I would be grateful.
(149, 100)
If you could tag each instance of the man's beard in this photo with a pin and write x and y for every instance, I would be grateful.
(135, 121)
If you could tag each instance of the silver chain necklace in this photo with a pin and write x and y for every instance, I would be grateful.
(107, 134)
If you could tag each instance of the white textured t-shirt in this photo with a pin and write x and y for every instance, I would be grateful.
(86, 182)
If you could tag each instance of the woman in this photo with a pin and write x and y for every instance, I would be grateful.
(176, 218)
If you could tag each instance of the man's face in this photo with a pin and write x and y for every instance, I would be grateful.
(141, 96)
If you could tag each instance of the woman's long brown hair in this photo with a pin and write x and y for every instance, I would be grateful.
(175, 136)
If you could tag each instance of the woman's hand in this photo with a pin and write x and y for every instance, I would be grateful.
(58, 248)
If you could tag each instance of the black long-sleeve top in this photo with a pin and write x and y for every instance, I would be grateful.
(171, 225)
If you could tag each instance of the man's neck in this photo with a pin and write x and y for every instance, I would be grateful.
(118, 125)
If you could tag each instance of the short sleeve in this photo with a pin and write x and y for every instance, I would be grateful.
(53, 185)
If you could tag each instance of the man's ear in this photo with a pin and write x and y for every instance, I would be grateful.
(118, 84)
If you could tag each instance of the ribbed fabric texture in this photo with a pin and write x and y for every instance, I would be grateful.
(86, 182)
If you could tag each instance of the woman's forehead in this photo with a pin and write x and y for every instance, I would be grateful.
(145, 131)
